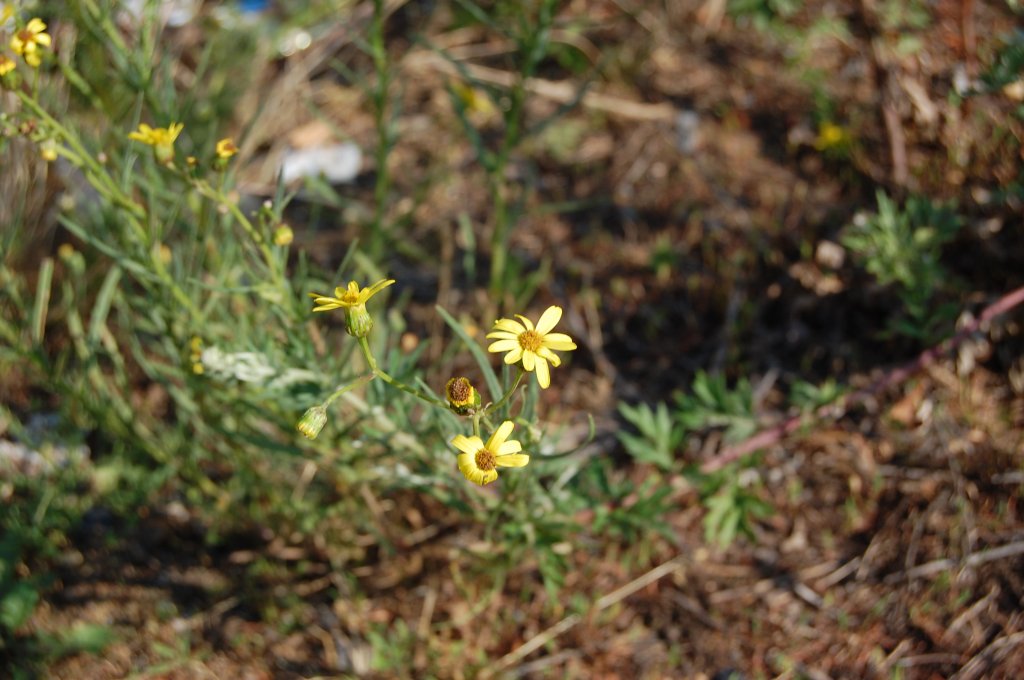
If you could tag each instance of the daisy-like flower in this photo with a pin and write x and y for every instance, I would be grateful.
(6, 65)
(353, 300)
(161, 139)
(226, 149)
(26, 42)
(534, 346)
(479, 462)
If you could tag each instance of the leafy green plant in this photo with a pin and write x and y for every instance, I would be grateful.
(902, 247)
(732, 509)
(659, 437)
(710, 404)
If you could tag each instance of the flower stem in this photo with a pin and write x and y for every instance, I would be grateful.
(383, 375)
(358, 382)
(501, 402)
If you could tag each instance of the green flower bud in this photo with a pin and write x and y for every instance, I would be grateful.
(358, 321)
(313, 420)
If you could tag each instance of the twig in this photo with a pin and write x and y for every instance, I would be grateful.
(562, 92)
(975, 559)
(896, 376)
(570, 621)
(984, 659)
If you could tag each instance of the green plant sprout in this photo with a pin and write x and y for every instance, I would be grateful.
(901, 248)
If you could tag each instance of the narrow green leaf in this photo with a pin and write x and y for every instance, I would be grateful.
(477, 351)
(42, 304)
(102, 307)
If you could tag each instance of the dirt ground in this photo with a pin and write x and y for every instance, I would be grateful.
(897, 548)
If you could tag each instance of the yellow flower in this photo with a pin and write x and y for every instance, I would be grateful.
(6, 12)
(353, 296)
(832, 137)
(226, 148)
(532, 346)
(48, 150)
(353, 300)
(283, 235)
(6, 65)
(478, 462)
(161, 139)
(26, 42)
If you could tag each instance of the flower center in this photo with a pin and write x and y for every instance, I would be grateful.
(350, 298)
(485, 460)
(459, 391)
(26, 35)
(530, 341)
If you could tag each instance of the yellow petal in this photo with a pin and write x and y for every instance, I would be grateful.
(43, 39)
(509, 447)
(513, 460)
(467, 466)
(502, 335)
(529, 360)
(514, 356)
(35, 25)
(509, 325)
(526, 322)
(500, 435)
(468, 445)
(558, 341)
(379, 286)
(503, 346)
(543, 373)
(549, 319)
(545, 353)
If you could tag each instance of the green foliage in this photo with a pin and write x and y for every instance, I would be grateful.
(732, 508)
(659, 436)
(902, 247)
(808, 397)
(527, 27)
(764, 11)
(1008, 64)
(712, 404)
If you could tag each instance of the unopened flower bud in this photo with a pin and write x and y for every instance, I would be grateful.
(313, 420)
(358, 321)
(283, 235)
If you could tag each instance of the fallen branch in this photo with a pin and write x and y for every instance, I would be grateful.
(896, 376)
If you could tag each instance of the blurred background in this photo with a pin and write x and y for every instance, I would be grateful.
(786, 237)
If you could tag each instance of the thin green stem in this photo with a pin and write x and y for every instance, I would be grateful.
(105, 185)
(358, 382)
(383, 375)
(501, 402)
(382, 123)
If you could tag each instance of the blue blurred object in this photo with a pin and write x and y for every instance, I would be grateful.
(253, 5)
